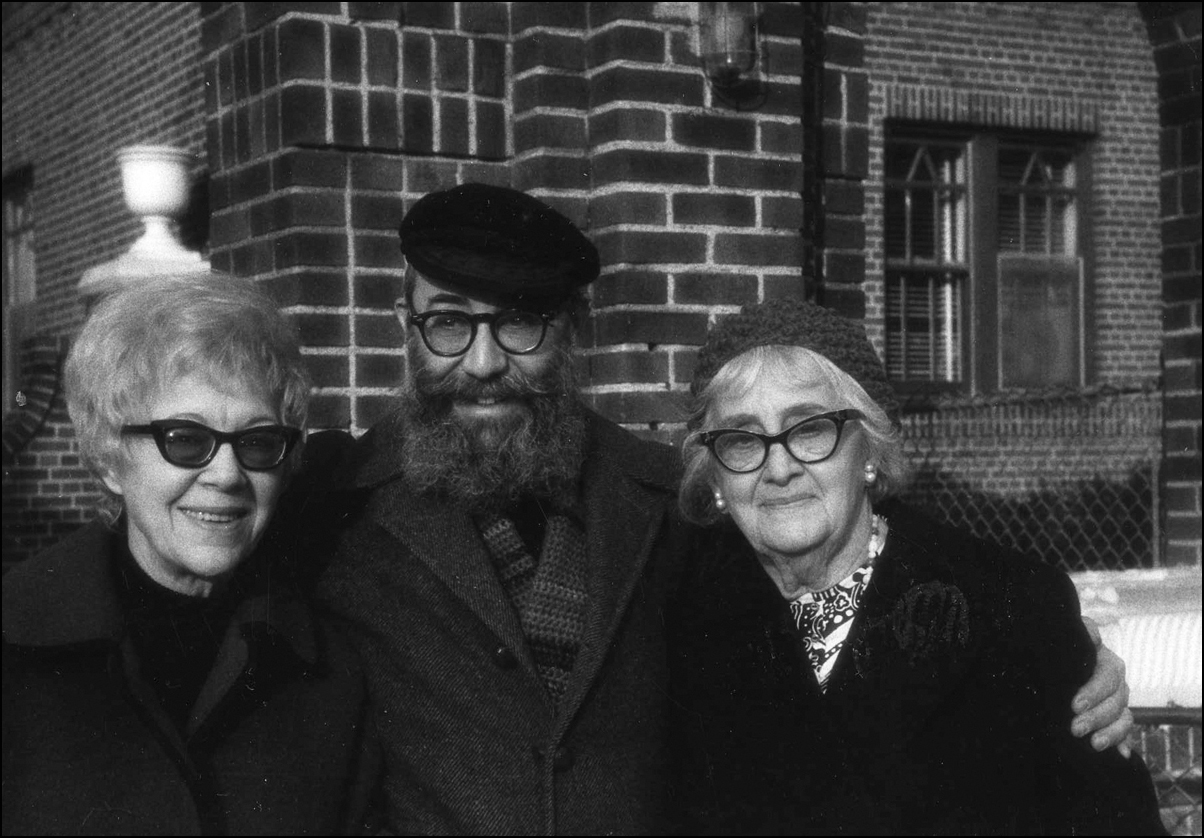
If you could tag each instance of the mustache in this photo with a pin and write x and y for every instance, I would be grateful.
(515, 384)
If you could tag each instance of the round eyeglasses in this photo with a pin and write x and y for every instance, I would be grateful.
(192, 445)
(812, 440)
(450, 333)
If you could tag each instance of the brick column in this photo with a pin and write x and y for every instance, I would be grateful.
(325, 121)
(846, 120)
(1175, 36)
(551, 104)
(637, 172)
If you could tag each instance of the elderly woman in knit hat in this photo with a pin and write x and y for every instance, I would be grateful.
(878, 672)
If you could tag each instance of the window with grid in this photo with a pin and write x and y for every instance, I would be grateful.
(1039, 272)
(926, 260)
(984, 273)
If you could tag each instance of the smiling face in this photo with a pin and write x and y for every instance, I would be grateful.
(189, 528)
(809, 523)
(487, 389)
(489, 427)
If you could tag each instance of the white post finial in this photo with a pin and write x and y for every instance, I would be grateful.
(155, 180)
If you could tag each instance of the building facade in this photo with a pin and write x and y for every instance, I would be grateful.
(1006, 193)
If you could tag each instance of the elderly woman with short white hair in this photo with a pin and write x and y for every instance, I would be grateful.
(164, 674)
(846, 665)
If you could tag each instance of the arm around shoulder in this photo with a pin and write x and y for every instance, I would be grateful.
(1091, 792)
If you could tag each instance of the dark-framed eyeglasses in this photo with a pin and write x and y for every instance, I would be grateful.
(190, 444)
(812, 440)
(449, 333)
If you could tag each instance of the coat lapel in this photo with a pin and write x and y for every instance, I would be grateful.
(623, 518)
(67, 598)
(446, 540)
(269, 611)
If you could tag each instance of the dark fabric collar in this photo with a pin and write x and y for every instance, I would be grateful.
(66, 596)
(916, 549)
(650, 463)
(926, 557)
(376, 458)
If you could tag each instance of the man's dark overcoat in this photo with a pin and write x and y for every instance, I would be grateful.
(948, 711)
(276, 745)
(473, 742)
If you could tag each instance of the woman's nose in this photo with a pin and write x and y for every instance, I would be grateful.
(780, 466)
(224, 470)
(484, 359)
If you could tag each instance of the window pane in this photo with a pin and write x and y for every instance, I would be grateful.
(1039, 321)
(1062, 228)
(1036, 216)
(1013, 165)
(1059, 166)
(20, 265)
(953, 227)
(20, 273)
(926, 202)
(896, 225)
(923, 326)
(926, 216)
(1009, 222)
(1036, 200)
(899, 157)
(923, 225)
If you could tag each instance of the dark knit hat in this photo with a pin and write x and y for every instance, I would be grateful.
(794, 322)
(497, 240)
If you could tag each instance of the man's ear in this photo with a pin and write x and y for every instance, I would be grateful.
(402, 312)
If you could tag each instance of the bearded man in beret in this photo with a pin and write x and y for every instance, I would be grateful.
(505, 557)
(509, 551)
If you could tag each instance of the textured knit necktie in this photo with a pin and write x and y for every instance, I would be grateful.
(824, 618)
(549, 595)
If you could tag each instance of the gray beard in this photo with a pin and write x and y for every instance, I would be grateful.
(489, 465)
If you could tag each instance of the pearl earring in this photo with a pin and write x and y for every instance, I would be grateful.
(871, 474)
(720, 503)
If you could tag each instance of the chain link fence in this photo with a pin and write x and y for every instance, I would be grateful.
(1169, 741)
(1069, 477)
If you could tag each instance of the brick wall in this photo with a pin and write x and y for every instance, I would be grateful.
(82, 81)
(1065, 477)
(323, 122)
(601, 110)
(85, 82)
(1056, 66)
(329, 120)
(1174, 31)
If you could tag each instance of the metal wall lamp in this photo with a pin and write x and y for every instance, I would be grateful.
(728, 45)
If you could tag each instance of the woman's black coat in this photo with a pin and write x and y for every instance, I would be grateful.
(948, 711)
(276, 744)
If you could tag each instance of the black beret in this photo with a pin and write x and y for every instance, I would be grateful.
(493, 239)
(795, 322)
